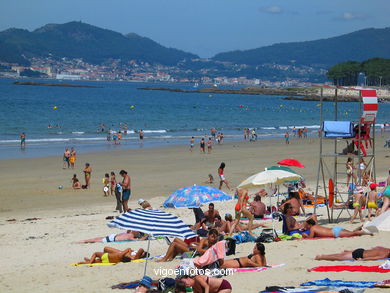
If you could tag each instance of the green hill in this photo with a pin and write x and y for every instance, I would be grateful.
(81, 40)
(357, 46)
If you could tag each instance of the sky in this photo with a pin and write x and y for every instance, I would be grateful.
(206, 27)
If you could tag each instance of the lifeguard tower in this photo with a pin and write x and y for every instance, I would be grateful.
(340, 140)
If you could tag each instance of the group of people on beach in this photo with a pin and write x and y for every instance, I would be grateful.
(213, 233)
(214, 138)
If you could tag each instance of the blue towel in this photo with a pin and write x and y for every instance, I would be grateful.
(338, 129)
(340, 283)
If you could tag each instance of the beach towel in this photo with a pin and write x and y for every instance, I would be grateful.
(340, 283)
(213, 254)
(373, 269)
(257, 269)
(132, 285)
(338, 129)
(94, 264)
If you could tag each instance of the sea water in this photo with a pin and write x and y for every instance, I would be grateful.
(76, 113)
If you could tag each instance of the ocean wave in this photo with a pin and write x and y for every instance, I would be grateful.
(78, 132)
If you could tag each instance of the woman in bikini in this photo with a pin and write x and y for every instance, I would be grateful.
(112, 255)
(125, 236)
(350, 171)
(87, 173)
(255, 259)
(240, 208)
(203, 284)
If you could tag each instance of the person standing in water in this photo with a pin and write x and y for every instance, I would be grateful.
(22, 140)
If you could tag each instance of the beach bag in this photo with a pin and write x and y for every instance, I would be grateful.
(166, 284)
(231, 246)
(266, 236)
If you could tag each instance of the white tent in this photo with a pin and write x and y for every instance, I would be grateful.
(380, 223)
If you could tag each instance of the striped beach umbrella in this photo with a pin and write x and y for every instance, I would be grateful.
(153, 222)
(195, 196)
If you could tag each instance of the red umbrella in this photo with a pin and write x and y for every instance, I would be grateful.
(291, 162)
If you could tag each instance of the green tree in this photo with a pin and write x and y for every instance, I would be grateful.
(345, 73)
(377, 71)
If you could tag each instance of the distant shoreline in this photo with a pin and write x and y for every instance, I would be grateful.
(53, 84)
(296, 94)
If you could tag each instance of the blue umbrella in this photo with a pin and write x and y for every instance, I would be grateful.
(195, 196)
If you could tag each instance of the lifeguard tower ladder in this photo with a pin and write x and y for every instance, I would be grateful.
(332, 164)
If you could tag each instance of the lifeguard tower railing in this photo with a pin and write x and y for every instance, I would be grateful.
(332, 164)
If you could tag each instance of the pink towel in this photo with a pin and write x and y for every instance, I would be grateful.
(214, 253)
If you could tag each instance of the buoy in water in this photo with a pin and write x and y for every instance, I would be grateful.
(55, 108)
(132, 107)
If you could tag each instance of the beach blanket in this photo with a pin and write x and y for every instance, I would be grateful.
(374, 269)
(340, 283)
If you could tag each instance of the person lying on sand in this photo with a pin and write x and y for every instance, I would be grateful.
(337, 231)
(202, 283)
(378, 252)
(255, 259)
(112, 255)
(224, 227)
(178, 246)
(126, 236)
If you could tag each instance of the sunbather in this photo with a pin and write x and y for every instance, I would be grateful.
(178, 246)
(255, 259)
(112, 255)
(337, 232)
(295, 202)
(378, 252)
(293, 226)
(126, 236)
(201, 283)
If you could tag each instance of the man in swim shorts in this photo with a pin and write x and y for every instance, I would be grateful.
(320, 231)
(126, 189)
(358, 254)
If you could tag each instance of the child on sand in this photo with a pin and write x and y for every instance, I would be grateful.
(372, 200)
(75, 182)
(113, 183)
(358, 200)
(106, 184)
(210, 180)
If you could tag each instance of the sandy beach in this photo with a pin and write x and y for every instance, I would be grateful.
(45, 221)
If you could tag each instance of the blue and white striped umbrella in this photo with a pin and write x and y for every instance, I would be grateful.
(152, 222)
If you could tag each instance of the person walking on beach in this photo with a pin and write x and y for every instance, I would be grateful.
(209, 145)
(72, 159)
(372, 200)
(222, 178)
(106, 184)
(202, 146)
(126, 186)
(87, 174)
(115, 137)
(22, 140)
(192, 143)
(66, 158)
(119, 137)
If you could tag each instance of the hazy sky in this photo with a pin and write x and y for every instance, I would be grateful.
(206, 27)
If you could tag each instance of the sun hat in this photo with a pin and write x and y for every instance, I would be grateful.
(146, 281)
(359, 189)
(373, 185)
(141, 201)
